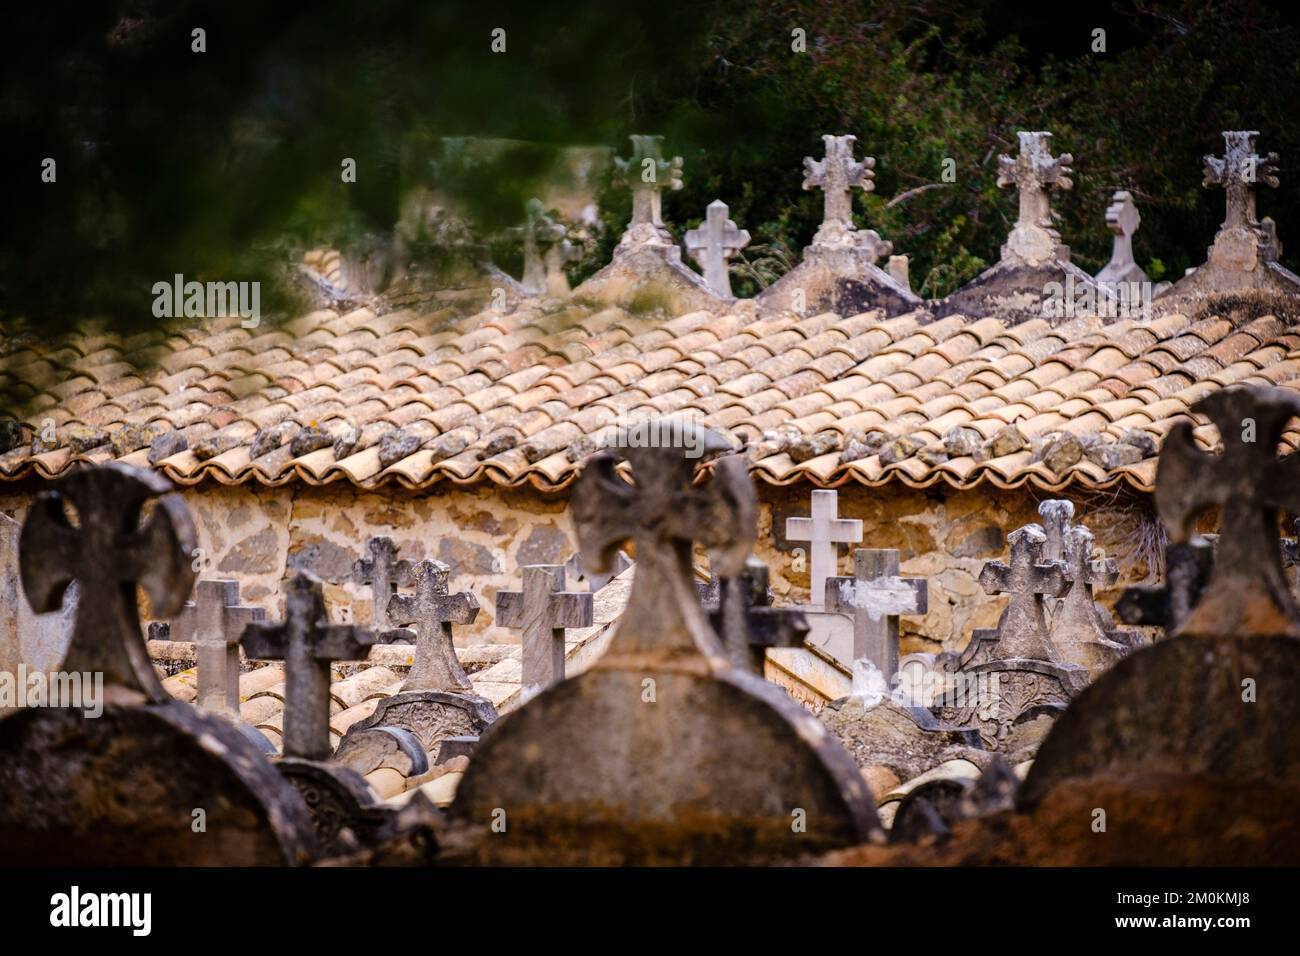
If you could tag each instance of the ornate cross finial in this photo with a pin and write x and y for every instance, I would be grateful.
(1034, 172)
(1022, 629)
(711, 245)
(740, 610)
(823, 530)
(1237, 171)
(646, 173)
(432, 611)
(1078, 631)
(1247, 592)
(1123, 219)
(108, 553)
(543, 609)
(663, 514)
(384, 573)
(213, 622)
(539, 231)
(836, 174)
(876, 596)
(308, 644)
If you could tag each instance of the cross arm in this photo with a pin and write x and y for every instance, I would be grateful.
(510, 608)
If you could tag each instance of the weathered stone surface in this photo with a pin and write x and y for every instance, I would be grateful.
(740, 610)
(310, 438)
(807, 447)
(1187, 571)
(907, 740)
(396, 445)
(859, 446)
(11, 435)
(214, 445)
(822, 530)
(545, 544)
(385, 573)
(82, 438)
(166, 445)
(131, 437)
(1062, 452)
(1006, 441)
(1110, 455)
(876, 596)
(1022, 628)
(961, 441)
(268, 439)
(578, 572)
(1078, 631)
(900, 448)
(346, 438)
(1123, 219)
(543, 609)
(732, 754)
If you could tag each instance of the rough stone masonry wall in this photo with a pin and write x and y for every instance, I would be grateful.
(485, 533)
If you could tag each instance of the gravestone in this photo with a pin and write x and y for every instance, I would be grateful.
(740, 610)
(213, 623)
(1187, 571)
(543, 610)
(539, 232)
(647, 261)
(823, 529)
(1216, 705)
(1122, 219)
(1245, 250)
(343, 808)
(1079, 632)
(663, 751)
(385, 574)
(1034, 261)
(1056, 515)
(716, 240)
(437, 699)
(1026, 580)
(838, 272)
(876, 596)
(150, 781)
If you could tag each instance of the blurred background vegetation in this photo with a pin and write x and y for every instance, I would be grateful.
(226, 164)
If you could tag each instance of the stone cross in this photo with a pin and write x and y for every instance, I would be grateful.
(836, 174)
(1022, 629)
(108, 553)
(432, 611)
(1123, 219)
(560, 253)
(711, 245)
(1247, 591)
(1034, 172)
(308, 644)
(538, 231)
(646, 173)
(1237, 171)
(384, 573)
(1056, 514)
(213, 622)
(740, 610)
(1079, 632)
(1187, 569)
(823, 530)
(543, 609)
(876, 596)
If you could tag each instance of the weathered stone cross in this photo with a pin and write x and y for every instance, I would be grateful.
(1247, 592)
(1022, 629)
(432, 611)
(740, 610)
(543, 609)
(1237, 171)
(1078, 630)
(308, 644)
(539, 230)
(823, 530)
(836, 174)
(108, 553)
(876, 596)
(213, 622)
(1123, 219)
(1034, 172)
(1187, 570)
(384, 573)
(646, 173)
(711, 245)
(1056, 514)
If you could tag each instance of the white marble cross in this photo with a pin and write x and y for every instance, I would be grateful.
(711, 245)
(836, 174)
(824, 529)
(1123, 219)
(876, 596)
(1237, 171)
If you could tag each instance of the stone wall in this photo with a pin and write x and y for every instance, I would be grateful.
(258, 534)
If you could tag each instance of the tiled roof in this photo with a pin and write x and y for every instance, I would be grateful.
(522, 397)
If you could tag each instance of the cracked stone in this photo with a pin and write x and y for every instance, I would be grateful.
(1007, 440)
(498, 443)
(1063, 453)
(858, 446)
(1114, 455)
(807, 447)
(310, 438)
(396, 445)
(933, 455)
(129, 438)
(267, 440)
(449, 445)
(898, 449)
(958, 442)
(166, 445)
(83, 438)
